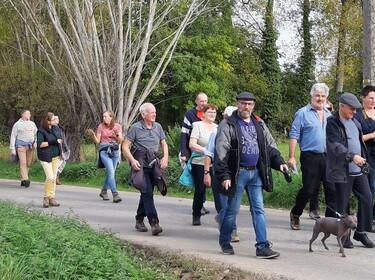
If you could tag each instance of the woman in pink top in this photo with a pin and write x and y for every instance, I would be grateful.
(109, 136)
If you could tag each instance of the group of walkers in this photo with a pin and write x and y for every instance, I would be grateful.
(231, 157)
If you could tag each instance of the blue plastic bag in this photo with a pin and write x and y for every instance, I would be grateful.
(186, 178)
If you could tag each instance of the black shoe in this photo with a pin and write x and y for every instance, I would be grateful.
(196, 221)
(227, 249)
(266, 252)
(25, 183)
(348, 244)
(363, 238)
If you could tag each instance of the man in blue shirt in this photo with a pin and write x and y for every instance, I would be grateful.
(309, 131)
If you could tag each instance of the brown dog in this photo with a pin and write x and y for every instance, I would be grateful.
(339, 227)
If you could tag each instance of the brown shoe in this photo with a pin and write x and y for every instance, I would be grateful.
(53, 202)
(45, 202)
(155, 228)
(103, 194)
(140, 225)
(294, 222)
(58, 181)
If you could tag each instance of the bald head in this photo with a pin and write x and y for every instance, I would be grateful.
(201, 100)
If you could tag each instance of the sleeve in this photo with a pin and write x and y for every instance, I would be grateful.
(13, 137)
(162, 133)
(131, 134)
(118, 127)
(222, 152)
(184, 136)
(195, 133)
(40, 138)
(295, 130)
(335, 138)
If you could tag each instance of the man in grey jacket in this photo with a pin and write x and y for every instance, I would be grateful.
(245, 151)
(23, 143)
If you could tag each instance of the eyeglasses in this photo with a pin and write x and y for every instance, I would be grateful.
(250, 104)
(211, 112)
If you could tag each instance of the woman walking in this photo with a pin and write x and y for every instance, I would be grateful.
(198, 140)
(48, 150)
(108, 136)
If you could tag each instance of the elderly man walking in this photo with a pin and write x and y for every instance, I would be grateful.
(145, 137)
(245, 151)
(309, 130)
(23, 144)
(346, 153)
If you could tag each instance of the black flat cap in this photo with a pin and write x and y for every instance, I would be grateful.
(246, 96)
(350, 99)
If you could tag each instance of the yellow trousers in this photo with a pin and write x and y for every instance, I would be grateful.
(50, 169)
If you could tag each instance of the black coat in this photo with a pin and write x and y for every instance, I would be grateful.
(338, 155)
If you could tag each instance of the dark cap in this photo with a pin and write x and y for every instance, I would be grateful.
(350, 99)
(246, 96)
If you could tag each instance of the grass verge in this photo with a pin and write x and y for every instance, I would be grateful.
(38, 246)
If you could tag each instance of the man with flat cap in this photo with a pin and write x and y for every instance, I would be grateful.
(346, 154)
(245, 151)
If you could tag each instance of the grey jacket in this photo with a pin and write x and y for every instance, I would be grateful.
(227, 150)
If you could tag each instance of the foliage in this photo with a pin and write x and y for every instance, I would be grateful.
(271, 69)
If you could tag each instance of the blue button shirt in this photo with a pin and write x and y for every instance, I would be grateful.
(309, 131)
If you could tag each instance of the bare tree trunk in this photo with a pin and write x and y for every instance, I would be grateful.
(368, 42)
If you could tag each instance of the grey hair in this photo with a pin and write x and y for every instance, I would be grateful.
(322, 87)
(143, 107)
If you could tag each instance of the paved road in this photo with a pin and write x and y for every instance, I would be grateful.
(295, 261)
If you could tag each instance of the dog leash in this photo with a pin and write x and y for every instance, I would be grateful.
(337, 213)
(366, 168)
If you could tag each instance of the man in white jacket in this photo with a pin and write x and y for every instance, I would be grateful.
(23, 143)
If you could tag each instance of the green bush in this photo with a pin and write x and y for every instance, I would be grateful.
(172, 136)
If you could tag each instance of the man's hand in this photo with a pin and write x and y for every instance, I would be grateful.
(163, 163)
(136, 165)
(291, 162)
(358, 160)
(284, 168)
(226, 184)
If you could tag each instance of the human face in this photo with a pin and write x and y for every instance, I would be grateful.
(318, 100)
(55, 120)
(210, 115)
(201, 100)
(347, 112)
(245, 108)
(369, 100)
(26, 116)
(107, 118)
(149, 114)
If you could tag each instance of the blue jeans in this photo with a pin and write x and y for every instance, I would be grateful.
(110, 167)
(246, 179)
(224, 203)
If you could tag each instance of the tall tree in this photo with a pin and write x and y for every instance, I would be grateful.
(368, 42)
(99, 51)
(270, 67)
(306, 61)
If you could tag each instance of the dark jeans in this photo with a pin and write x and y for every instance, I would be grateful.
(360, 187)
(313, 167)
(200, 189)
(146, 206)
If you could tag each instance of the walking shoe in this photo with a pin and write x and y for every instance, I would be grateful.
(140, 225)
(314, 214)
(196, 221)
(227, 249)
(235, 237)
(155, 228)
(45, 202)
(266, 252)
(25, 183)
(53, 202)
(348, 244)
(204, 211)
(116, 197)
(103, 194)
(294, 222)
(363, 238)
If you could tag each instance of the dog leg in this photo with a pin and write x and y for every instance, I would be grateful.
(340, 240)
(326, 235)
(314, 236)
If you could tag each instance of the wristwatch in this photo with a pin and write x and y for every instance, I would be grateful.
(206, 172)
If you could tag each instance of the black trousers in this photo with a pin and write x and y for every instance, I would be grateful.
(313, 167)
(146, 205)
(360, 187)
(200, 188)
